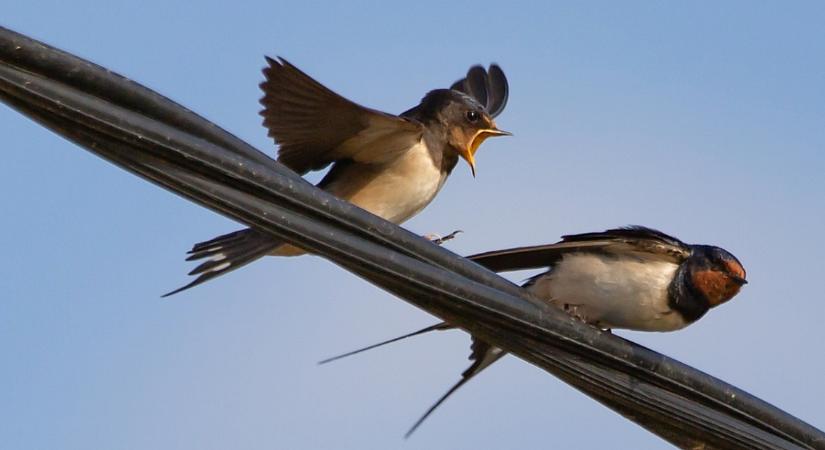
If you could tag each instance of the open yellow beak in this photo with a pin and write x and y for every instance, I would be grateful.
(481, 135)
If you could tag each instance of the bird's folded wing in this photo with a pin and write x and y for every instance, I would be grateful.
(638, 241)
(314, 126)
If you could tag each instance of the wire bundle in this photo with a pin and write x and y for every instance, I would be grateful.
(163, 142)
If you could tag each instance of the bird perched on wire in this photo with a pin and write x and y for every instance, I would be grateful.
(633, 278)
(390, 165)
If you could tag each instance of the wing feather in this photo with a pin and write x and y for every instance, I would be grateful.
(314, 126)
(640, 241)
(487, 87)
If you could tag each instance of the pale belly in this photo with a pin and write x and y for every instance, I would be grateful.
(396, 191)
(612, 293)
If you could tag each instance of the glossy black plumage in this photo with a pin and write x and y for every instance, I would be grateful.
(634, 239)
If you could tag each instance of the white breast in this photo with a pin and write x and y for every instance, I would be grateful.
(612, 292)
(397, 190)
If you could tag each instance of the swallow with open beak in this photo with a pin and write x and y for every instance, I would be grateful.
(390, 165)
(633, 278)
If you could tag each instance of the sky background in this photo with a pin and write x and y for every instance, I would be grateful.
(705, 120)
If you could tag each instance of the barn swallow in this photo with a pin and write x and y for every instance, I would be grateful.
(390, 165)
(633, 278)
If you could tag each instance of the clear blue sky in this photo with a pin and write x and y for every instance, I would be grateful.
(706, 120)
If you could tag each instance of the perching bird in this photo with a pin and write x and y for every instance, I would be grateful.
(633, 278)
(392, 166)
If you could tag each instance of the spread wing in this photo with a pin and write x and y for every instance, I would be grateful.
(488, 87)
(314, 126)
(482, 356)
(640, 241)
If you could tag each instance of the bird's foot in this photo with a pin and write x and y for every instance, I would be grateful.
(599, 326)
(575, 312)
(438, 239)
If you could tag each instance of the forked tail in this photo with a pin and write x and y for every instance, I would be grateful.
(226, 253)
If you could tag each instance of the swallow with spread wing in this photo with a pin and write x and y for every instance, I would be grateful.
(390, 165)
(631, 278)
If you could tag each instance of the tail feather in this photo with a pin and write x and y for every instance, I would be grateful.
(438, 326)
(222, 240)
(226, 253)
(482, 356)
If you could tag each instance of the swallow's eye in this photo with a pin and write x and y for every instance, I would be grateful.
(473, 116)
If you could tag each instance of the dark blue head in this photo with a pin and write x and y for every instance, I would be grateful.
(465, 123)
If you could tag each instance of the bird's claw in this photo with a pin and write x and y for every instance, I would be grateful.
(438, 240)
